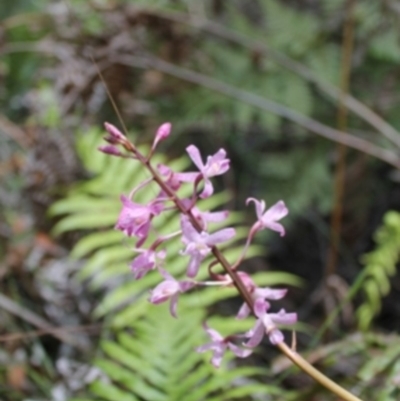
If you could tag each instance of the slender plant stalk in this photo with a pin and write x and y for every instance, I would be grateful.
(296, 358)
(306, 367)
(260, 46)
(340, 171)
(362, 145)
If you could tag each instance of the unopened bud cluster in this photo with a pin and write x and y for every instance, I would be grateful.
(198, 241)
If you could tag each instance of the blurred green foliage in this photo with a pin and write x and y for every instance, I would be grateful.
(48, 49)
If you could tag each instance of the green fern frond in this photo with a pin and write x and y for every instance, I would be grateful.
(380, 265)
(156, 360)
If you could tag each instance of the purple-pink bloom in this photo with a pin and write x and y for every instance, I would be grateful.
(219, 345)
(208, 217)
(145, 261)
(174, 180)
(216, 165)
(266, 324)
(270, 218)
(258, 293)
(205, 217)
(170, 288)
(198, 245)
(135, 219)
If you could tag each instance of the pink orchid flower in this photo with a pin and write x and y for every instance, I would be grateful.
(170, 288)
(145, 261)
(219, 345)
(198, 245)
(216, 165)
(266, 324)
(135, 219)
(269, 219)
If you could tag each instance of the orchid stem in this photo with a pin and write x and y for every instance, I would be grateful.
(306, 367)
(296, 358)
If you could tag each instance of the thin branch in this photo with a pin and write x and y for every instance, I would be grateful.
(10, 306)
(90, 328)
(340, 170)
(262, 103)
(357, 107)
(237, 280)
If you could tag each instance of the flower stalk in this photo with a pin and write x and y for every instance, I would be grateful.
(135, 220)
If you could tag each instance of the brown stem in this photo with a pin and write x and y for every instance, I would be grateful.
(336, 221)
(215, 251)
(291, 354)
(310, 124)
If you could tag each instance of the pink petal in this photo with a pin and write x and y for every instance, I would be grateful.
(217, 357)
(240, 352)
(188, 231)
(269, 293)
(276, 227)
(194, 264)
(276, 212)
(221, 236)
(283, 318)
(276, 337)
(186, 285)
(166, 275)
(141, 241)
(217, 157)
(205, 348)
(259, 205)
(260, 307)
(244, 311)
(256, 335)
(214, 335)
(186, 177)
(247, 281)
(194, 154)
(214, 217)
(216, 164)
(208, 189)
